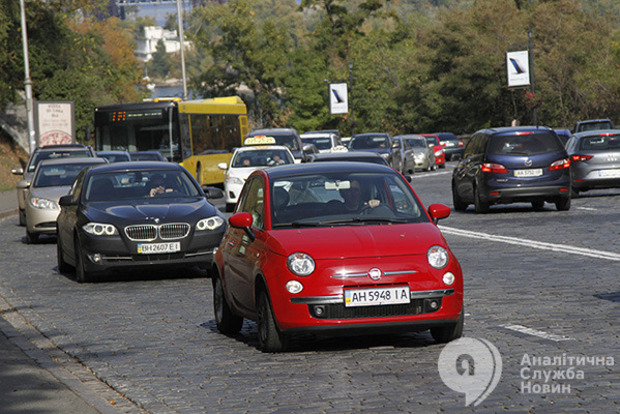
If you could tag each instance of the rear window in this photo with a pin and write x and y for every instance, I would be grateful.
(52, 155)
(524, 144)
(600, 142)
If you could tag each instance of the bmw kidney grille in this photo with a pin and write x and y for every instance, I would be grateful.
(149, 232)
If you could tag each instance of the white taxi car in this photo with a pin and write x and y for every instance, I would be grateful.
(247, 159)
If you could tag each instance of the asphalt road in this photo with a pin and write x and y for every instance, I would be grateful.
(540, 287)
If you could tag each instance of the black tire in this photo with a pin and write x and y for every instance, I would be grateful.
(230, 207)
(459, 204)
(270, 339)
(480, 206)
(226, 321)
(448, 333)
(81, 275)
(63, 267)
(22, 217)
(32, 238)
(563, 204)
(538, 205)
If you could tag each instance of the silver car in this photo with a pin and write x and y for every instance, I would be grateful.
(39, 154)
(52, 179)
(413, 153)
(595, 159)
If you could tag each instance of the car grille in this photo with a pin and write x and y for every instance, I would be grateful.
(149, 232)
(339, 311)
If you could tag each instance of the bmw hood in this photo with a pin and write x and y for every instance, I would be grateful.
(357, 241)
(136, 213)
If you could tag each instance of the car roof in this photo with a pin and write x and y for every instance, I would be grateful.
(136, 166)
(410, 136)
(326, 167)
(76, 160)
(342, 155)
(112, 152)
(507, 130)
(62, 147)
(371, 134)
(261, 147)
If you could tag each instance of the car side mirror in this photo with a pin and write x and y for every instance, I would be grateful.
(243, 221)
(17, 171)
(214, 192)
(438, 211)
(66, 201)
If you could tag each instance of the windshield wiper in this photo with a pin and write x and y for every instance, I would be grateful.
(363, 220)
(297, 224)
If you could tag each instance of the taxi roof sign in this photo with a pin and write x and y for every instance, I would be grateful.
(259, 140)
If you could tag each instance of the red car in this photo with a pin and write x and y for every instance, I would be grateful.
(335, 247)
(440, 152)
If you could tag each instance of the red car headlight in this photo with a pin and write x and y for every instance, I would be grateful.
(437, 257)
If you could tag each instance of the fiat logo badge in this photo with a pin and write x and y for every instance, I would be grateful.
(528, 162)
(375, 274)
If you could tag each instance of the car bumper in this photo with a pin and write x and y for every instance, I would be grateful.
(232, 192)
(106, 253)
(40, 220)
(584, 179)
(526, 194)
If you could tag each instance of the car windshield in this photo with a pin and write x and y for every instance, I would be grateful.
(524, 144)
(603, 142)
(343, 199)
(261, 158)
(416, 143)
(111, 157)
(369, 142)
(57, 175)
(135, 185)
(52, 155)
(593, 126)
(322, 143)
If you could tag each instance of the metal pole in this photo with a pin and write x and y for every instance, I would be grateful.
(28, 82)
(181, 37)
(351, 79)
(530, 51)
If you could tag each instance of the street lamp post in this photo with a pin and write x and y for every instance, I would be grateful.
(27, 82)
(180, 22)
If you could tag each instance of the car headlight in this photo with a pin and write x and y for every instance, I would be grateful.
(234, 180)
(210, 223)
(385, 155)
(100, 229)
(43, 203)
(438, 153)
(437, 257)
(301, 264)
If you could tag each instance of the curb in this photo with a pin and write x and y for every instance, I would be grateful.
(8, 213)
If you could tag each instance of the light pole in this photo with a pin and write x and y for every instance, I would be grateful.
(27, 82)
(180, 22)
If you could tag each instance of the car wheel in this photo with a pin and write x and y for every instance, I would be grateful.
(449, 333)
(270, 338)
(63, 267)
(22, 217)
(538, 205)
(227, 322)
(81, 275)
(31, 238)
(574, 193)
(480, 206)
(563, 204)
(442, 165)
(459, 204)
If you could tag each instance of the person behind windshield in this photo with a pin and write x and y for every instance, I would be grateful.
(276, 160)
(352, 197)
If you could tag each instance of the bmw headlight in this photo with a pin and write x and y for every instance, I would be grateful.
(100, 229)
(437, 257)
(210, 223)
(301, 264)
(43, 203)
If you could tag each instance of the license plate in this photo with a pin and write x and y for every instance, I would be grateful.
(377, 296)
(609, 173)
(534, 172)
(155, 248)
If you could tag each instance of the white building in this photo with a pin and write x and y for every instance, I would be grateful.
(152, 35)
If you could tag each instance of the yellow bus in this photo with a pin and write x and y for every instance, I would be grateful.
(198, 134)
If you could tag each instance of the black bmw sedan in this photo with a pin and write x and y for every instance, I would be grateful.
(128, 215)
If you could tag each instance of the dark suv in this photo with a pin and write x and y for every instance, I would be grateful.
(510, 165)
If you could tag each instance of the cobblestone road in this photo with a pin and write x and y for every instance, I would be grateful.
(152, 338)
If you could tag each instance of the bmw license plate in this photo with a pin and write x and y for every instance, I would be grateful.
(155, 248)
(534, 172)
(377, 296)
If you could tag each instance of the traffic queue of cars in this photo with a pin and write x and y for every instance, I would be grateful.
(339, 244)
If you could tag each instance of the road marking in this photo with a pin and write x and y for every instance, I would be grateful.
(586, 208)
(535, 332)
(564, 248)
(427, 174)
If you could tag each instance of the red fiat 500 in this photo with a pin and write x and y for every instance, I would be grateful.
(331, 247)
